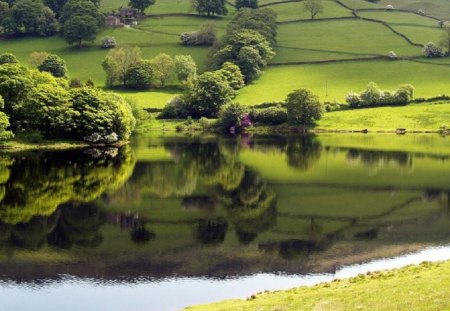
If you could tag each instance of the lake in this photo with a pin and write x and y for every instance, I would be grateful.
(170, 221)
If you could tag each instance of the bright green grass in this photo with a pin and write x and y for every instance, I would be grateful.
(294, 11)
(420, 34)
(393, 17)
(361, 4)
(412, 117)
(149, 98)
(333, 81)
(86, 63)
(334, 40)
(436, 8)
(423, 287)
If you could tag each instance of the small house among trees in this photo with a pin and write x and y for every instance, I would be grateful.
(126, 16)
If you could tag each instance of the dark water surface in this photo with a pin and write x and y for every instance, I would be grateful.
(172, 221)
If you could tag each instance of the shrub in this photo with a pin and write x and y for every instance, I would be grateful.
(353, 100)
(206, 36)
(373, 97)
(270, 116)
(431, 50)
(421, 12)
(230, 117)
(109, 42)
(303, 107)
(392, 55)
(176, 108)
(54, 65)
(389, 7)
(233, 75)
(8, 58)
(75, 82)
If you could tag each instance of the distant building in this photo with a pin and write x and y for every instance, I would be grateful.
(126, 16)
(113, 21)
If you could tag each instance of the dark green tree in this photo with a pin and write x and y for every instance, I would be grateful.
(209, 7)
(54, 65)
(210, 92)
(303, 107)
(252, 4)
(79, 29)
(140, 75)
(141, 5)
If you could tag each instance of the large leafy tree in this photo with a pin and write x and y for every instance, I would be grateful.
(79, 29)
(80, 8)
(118, 62)
(210, 92)
(163, 66)
(141, 5)
(303, 107)
(210, 7)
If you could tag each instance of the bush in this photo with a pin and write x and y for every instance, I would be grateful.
(230, 117)
(54, 65)
(176, 108)
(75, 82)
(206, 36)
(109, 42)
(389, 7)
(8, 58)
(431, 50)
(269, 116)
(392, 55)
(233, 75)
(373, 97)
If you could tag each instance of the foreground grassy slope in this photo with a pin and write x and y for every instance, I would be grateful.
(423, 287)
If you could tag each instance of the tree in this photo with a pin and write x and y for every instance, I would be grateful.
(4, 125)
(79, 29)
(101, 113)
(54, 65)
(431, 50)
(263, 21)
(47, 23)
(15, 86)
(30, 17)
(314, 7)
(185, 67)
(81, 8)
(36, 58)
(140, 75)
(230, 116)
(210, 92)
(303, 107)
(118, 61)
(209, 7)
(141, 5)
(252, 4)
(8, 58)
(233, 75)
(249, 50)
(163, 66)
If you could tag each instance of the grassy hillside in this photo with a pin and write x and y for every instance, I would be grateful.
(423, 287)
(336, 34)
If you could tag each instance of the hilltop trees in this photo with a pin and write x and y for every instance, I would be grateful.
(252, 4)
(141, 5)
(209, 7)
(314, 7)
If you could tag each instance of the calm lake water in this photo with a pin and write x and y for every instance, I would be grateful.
(167, 222)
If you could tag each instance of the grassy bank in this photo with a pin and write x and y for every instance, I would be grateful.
(423, 287)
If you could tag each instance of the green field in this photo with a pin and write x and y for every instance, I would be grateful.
(333, 81)
(423, 287)
(299, 41)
